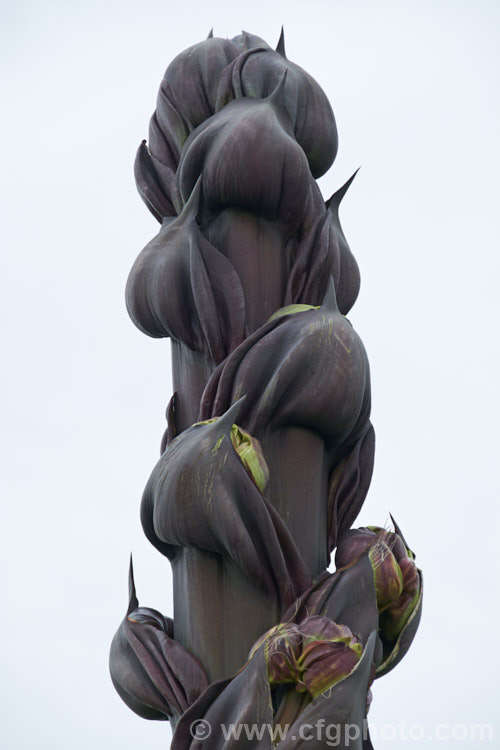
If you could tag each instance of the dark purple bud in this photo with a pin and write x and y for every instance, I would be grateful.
(315, 351)
(190, 84)
(181, 286)
(349, 280)
(153, 674)
(204, 493)
(256, 72)
(324, 253)
(249, 159)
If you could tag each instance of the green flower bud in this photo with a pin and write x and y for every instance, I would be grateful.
(314, 654)
(329, 653)
(249, 450)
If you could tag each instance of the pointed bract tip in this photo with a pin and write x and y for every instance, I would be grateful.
(227, 420)
(133, 602)
(400, 534)
(211, 33)
(330, 299)
(280, 48)
(334, 201)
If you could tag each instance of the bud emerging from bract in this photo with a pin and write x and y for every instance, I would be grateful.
(249, 450)
(154, 675)
(387, 575)
(398, 586)
(314, 654)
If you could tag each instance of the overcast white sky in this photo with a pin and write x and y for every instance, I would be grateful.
(414, 87)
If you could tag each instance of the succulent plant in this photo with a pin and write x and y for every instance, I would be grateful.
(268, 453)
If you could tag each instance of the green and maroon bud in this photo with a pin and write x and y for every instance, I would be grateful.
(398, 586)
(393, 620)
(399, 623)
(329, 653)
(281, 652)
(385, 550)
(314, 654)
(386, 573)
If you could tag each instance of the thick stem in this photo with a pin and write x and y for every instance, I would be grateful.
(261, 256)
(218, 613)
(190, 372)
(298, 489)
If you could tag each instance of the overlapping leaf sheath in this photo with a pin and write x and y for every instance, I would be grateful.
(306, 379)
(183, 287)
(268, 453)
(247, 702)
(202, 495)
(154, 675)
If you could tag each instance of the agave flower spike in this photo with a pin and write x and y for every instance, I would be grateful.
(268, 452)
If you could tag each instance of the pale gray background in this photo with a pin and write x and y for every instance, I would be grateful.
(414, 86)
